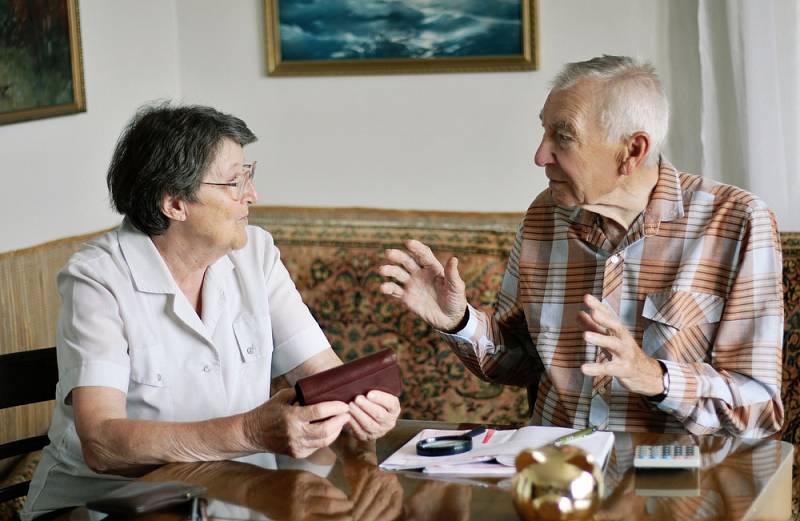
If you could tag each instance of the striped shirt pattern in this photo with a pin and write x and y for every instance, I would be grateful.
(696, 280)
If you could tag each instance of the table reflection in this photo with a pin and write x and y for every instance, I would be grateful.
(344, 482)
(733, 474)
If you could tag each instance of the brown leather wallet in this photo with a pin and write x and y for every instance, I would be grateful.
(344, 382)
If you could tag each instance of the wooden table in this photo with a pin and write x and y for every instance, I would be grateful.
(739, 480)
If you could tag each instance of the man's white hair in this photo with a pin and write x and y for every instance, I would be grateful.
(633, 99)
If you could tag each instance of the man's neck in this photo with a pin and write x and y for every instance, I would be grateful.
(622, 206)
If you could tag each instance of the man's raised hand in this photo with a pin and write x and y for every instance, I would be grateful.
(424, 286)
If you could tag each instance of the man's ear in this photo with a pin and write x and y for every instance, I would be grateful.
(636, 148)
(174, 208)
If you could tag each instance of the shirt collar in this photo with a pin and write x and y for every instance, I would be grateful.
(149, 272)
(666, 201)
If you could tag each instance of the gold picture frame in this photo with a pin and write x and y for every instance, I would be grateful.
(41, 66)
(304, 59)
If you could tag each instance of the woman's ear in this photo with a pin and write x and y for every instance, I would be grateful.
(174, 208)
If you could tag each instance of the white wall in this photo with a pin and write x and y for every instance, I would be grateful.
(444, 141)
(53, 170)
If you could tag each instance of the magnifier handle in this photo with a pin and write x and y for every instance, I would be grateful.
(475, 431)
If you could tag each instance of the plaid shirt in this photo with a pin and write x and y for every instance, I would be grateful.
(696, 280)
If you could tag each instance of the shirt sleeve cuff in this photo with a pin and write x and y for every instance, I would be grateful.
(468, 330)
(94, 374)
(297, 350)
(682, 388)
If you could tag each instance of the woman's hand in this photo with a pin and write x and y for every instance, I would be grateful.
(283, 427)
(376, 495)
(373, 415)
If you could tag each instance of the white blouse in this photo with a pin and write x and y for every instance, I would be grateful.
(125, 324)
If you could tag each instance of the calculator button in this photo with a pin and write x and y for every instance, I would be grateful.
(666, 456)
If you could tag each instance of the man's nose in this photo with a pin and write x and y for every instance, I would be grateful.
(544, 155)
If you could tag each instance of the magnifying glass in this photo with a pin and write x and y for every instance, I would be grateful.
(448, 445)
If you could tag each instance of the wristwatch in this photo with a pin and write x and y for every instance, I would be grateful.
(665, 383)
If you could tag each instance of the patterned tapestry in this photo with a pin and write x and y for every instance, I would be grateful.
(333, 259)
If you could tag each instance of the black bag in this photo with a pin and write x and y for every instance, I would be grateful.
(140, 497)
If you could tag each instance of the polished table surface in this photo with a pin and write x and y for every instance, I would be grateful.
(739, 479)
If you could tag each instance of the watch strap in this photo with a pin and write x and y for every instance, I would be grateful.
(658, 398)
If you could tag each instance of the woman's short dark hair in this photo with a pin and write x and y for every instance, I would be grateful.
(165, 150)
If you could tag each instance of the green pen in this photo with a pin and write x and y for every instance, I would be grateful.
(563, 440)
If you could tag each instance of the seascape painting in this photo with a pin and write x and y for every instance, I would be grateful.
(40, 66)
(316, 35)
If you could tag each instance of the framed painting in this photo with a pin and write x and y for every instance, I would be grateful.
(314, 37)
(41, 73)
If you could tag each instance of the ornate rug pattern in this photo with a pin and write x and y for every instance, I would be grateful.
(333, 258)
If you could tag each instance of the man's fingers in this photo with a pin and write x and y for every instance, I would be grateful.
(602, 369)
(589, 323)
(402, 258)
(395, 272)
(591, 369)
(451, 274)
(423, 255)
(611, 344)
(392, 289)
(602, 315)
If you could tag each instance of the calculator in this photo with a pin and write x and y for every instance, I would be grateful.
(667, 457)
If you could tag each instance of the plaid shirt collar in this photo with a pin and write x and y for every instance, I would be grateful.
(666, 204)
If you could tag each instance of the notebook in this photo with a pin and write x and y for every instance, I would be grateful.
(493, 453)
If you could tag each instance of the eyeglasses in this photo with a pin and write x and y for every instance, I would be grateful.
(241, 182)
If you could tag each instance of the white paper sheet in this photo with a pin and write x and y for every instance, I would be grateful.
(496, 457)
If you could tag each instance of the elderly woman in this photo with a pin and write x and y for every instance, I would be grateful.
(173, 325)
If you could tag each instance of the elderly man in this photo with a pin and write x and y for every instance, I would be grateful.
(636, 297)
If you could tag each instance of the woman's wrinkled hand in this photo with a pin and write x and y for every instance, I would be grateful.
(283, 427)
(373, 415)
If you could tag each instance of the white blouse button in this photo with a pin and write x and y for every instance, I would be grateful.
(206, 369)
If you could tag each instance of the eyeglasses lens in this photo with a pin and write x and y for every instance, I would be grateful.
(247, 177)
